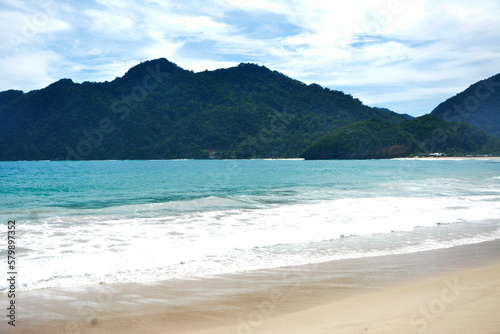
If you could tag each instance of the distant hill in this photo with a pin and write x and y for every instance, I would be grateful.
(378, 139)
(158, 110)
(478, 105)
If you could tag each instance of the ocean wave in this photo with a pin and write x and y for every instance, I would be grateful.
(157, 237)
(93, 268)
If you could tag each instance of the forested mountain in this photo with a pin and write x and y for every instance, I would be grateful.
(377, 139)
(158, 110)
(478, 105)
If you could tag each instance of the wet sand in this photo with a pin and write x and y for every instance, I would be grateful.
(454, 290)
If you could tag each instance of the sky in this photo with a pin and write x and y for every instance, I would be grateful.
(405, 55)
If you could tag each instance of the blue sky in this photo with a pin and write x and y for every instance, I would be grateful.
(407, 56)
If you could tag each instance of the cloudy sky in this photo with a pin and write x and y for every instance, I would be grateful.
(406, 55)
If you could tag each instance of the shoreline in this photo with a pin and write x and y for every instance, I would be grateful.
(268, 159)
(448, 158)
(269, 301)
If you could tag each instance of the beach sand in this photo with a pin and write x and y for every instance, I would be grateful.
(454, 290)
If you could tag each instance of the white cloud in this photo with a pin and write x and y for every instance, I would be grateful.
(199, 66)
(278, 6)
(116, 3)
(161, 48)
(29, 71)
(24, 28)
(111, 23)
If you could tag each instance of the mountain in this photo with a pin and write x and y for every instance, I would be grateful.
(478, 105)
(9, 95)
(158, 110)
(378, 139)
(406, 116)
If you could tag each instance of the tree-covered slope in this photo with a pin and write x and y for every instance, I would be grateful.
(377, 139)
(158, 110)
(478, 105)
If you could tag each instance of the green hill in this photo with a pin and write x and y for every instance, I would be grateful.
(377, 139)
(478, 105)
(158, 110)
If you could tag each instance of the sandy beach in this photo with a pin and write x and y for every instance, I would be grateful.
(454, 290)
(450, 158)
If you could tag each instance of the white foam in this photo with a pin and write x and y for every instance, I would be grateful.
(122, 245)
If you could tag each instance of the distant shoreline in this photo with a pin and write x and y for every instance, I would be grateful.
(266, 159)
(448, 158)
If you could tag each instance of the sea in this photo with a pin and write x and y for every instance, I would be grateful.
(81, 223)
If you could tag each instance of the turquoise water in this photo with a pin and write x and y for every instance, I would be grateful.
(82, 223)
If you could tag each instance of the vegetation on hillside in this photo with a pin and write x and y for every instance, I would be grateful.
(425, 135)
(478, 105)
(158, 110)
